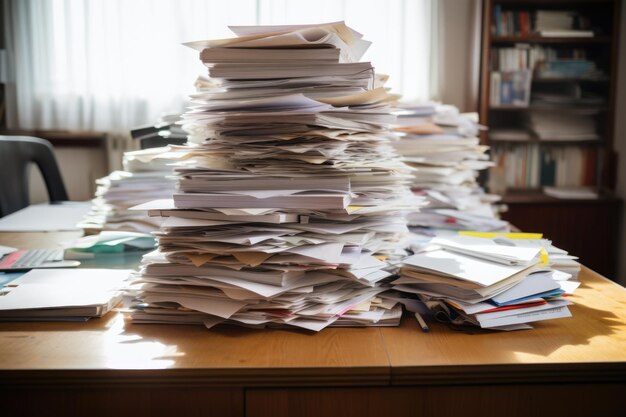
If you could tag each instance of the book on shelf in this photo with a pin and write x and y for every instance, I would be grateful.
(510, 88)
(562, 23)
(546, 62)
(511, 22)
(569, 68)
(533, 166)
(545, 23)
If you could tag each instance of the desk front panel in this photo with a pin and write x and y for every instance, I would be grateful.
(511, 400)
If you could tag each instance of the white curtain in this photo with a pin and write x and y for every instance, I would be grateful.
(109, 65)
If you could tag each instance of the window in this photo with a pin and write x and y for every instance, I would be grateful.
(110, 65)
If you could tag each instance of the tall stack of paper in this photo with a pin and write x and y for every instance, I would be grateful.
(290, 202)
(443, 148)
(146, 176)
(478, 281)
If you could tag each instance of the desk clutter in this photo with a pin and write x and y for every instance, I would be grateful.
(290, 201)
(61, 294)
(495, 283)
(291, 204)
(145, 177)
(443, 148)
(300, 201)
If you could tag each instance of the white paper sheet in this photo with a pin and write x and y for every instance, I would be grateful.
(46, 217)
(58, 288)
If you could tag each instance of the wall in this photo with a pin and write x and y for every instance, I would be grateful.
(461, 53)
(620, 143)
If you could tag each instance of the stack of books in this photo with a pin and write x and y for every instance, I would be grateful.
(489, 283)
(549, 23)
(546, 62)
(443, 149)
(561, 24)
(571, 126)
(290, 202)
(146, 176)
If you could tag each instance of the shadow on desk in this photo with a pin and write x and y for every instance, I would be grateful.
(595, 334)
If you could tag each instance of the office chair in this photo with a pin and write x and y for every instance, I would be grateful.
(16, 154)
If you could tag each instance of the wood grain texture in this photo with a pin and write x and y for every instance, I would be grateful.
(575, 400)
(60, 401)
(111, 351)
(590, 346)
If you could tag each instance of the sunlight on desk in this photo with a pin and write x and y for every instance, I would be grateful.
(598, 333)
(121, 350)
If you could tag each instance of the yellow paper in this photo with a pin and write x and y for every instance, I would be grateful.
(353, 209)
(491, 235)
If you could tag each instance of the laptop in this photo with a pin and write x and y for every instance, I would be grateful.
(23, 259)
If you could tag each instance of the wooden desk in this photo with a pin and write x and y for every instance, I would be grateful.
(574, 367)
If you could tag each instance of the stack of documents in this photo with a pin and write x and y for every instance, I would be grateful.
(62, 294)
(557, 258)
(486, 282)
(146, 176)
(290, 201)
(443, 148)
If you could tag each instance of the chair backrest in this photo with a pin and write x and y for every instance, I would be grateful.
(16, 155)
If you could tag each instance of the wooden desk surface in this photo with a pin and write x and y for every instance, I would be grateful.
(226, 355)
(119, 352)
(588, 348)
(591, 345)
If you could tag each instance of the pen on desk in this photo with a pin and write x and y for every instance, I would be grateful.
(422, 323)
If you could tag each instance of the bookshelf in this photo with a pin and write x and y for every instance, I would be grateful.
(547, 92)
(3, 121)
